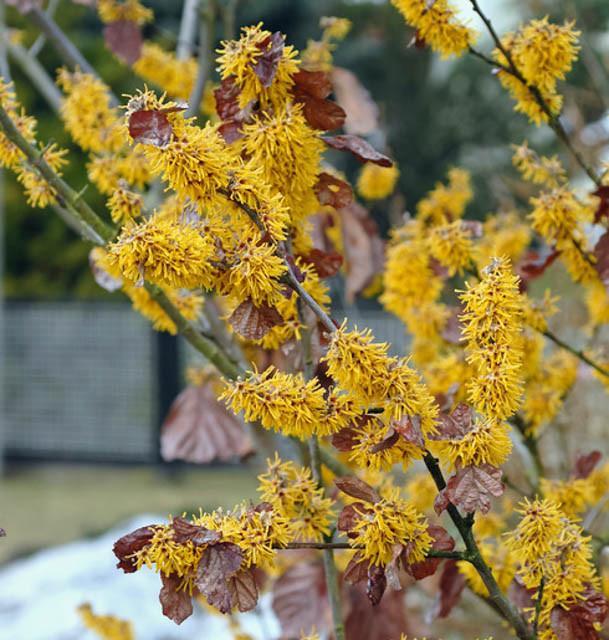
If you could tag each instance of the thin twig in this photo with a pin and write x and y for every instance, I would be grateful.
(40, 41)
(5, 71)
(538, 605)
(188, 29)
(576, 352)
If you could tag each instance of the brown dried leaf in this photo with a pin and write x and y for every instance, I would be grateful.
(150, 127)
(387, 442)
(364, 622)
(357, 488)
(101, 276)
(357, 569)
(602, 210)
(325, 263)
(442, 541)
(350, 516)
(358, 147)
(601, 252)
(243, 590)
(266, 64)
(200, 429)
(452, 583)
(362, 112)
(333, 191)
(252, 322)
(176, 602)
(471, 487)
(577, 623)
(409, 428)
(535, 262)
(376, 585)
(184, 531)
(124, 39)
(300, 600)
(585, 464)
(441, 502)
(125, 547)
(345, 439)
(312, 83)
(456, 425)
(218, 564)
(323, 115)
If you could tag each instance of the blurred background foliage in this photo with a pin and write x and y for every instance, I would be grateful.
(436, 114)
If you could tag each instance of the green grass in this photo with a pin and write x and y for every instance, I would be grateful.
(47, 505)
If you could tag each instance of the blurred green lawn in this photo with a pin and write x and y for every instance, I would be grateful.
(51, 504)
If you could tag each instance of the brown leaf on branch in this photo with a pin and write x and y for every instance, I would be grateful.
(359, 148)
(357, 569)
(383, 622)
(176, 602)
(124, 39)
(409, 429)
(311, 89)
(219, 563)
(252, 322)
(100, 275)
(362, 112)
(452, 583)
(472, 487)
(585, 464)
(315, 84)
(391, 438)
(535, 262)
(325, 263)
(345, 439)
(442, 541)
(200, 429)
(350, 516)
(150, 127)
(601, 253)
(577, 622)
(357, 488)
(266, 64)
(333, 191)
(184, 531)
(376, 585)
(456, 425)
(243, 590)
(300, 600)
(125, 547)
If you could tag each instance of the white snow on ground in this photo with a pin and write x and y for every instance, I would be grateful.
(39, 596)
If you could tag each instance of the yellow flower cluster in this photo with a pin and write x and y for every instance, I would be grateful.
(165, 253)
(105, 627)
(293, 492)
(388, 522)
(451, 245)
(289, 404)
(492, 322)
(549, 546)
(239, 57)
(545, 390)
(543, 53)
(437, 25)
(130, 10)
(547, 171)
(125, 205)
(557, 216)
(376, 183)
(318, 54)
(504, 234)
(446, 202)
(163, 68)
(38, 191)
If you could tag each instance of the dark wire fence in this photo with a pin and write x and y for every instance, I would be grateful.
(90, 381)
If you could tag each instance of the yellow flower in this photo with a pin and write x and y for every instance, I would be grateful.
(492, 326)
(388, 522)
(437, 25)
(105, 627)
(280, 401)
(335, 28)
(446, 202)
(573, 496)
(165, 253)
(504, 234)
(239, 57)
(376, 183)
(451, 245)
(131, 10)
(488, 442)
(422, 491)
(125, 205)
(10, 154)
(88, 117)
(38, 191)
(163, 68)
(548, 172)
(293, 492)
